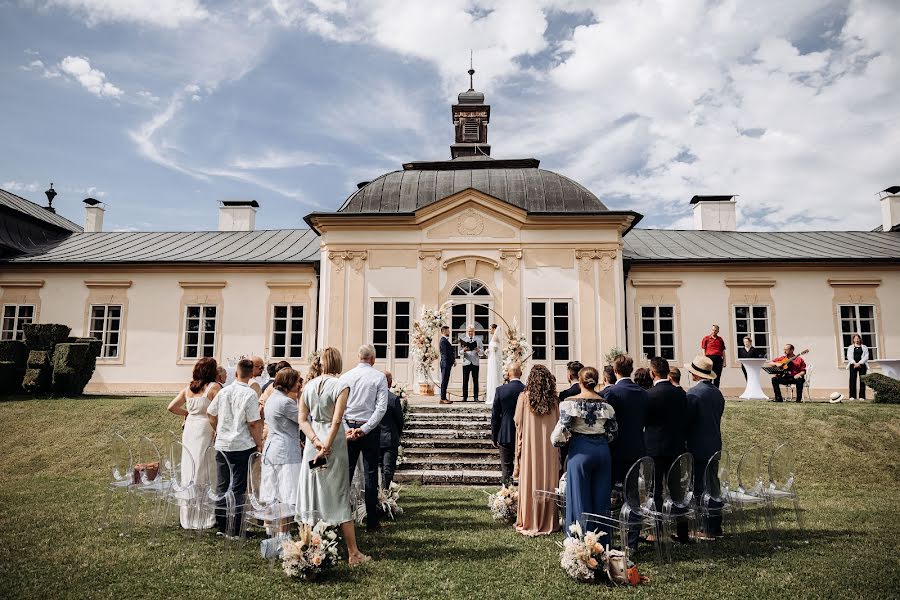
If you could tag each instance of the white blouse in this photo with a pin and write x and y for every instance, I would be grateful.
(585, 417)
(865, 355)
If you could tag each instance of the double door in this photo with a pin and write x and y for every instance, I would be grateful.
(391, 326)
(550, 322)
(463, 314)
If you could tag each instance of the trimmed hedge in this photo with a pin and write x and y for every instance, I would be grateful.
(887, 389)
(37, 379)
(39, 336)
(96, 345)
(73, 366)
(14, 351)
(10, 378)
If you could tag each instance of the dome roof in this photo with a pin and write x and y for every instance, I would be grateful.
(519, 182)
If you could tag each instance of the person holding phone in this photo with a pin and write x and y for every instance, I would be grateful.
(323, 492)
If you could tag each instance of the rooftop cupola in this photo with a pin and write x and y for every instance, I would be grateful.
(470, 120)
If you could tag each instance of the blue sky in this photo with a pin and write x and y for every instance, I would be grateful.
(161, 109)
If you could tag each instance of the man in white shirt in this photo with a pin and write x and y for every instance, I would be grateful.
(366, 406)
(234, 415)
(256, 379)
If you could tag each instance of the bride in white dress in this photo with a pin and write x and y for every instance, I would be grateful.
(494, 365)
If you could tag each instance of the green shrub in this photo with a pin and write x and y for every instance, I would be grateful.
(38, 359)
(73, 366)
(14, 351)
(37, 379)
(96, 345)
(887, 389)
(10, 378)
(45, 336)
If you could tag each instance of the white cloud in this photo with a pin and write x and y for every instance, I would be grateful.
(93, 80)
(158, 13)
(20, 186)
(278, 159)
(148, 96)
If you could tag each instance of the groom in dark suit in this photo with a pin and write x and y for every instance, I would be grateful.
(503, 425)
(448, 361)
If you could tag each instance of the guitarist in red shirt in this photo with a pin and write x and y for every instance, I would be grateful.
(793, 372)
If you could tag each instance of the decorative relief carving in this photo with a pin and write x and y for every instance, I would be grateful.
(606, 258)
(356, 258)
(510, 260)
(470, 222)
(430, 259)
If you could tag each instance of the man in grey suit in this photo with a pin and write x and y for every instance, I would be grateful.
(471, 349)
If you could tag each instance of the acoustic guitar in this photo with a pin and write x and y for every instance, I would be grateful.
(781, 366)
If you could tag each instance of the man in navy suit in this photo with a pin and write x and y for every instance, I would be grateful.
(503, 425)
(448, 361)
(705, 405)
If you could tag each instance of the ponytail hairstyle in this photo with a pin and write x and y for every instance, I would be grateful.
(588, 377)
(315, 366)
(205, 372)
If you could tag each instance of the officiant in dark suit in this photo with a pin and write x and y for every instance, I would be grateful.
(471, 349)
(448, 361)
(748, 350)
(503, 425)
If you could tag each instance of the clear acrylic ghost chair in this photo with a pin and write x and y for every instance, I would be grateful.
(180, 471)
(782, 480)
(678, 500)
(120, 465)
(546, 496)
(714, 501)
(152, 485)
(750, 491)
(211, 500)
(265, 508)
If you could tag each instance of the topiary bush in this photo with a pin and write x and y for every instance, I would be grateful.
(14, 351)
(10, 378)
(39, 373)
(73, 366)
(887, 389)
(45, 336)
(96, 345)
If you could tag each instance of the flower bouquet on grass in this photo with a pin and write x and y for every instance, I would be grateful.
(312, 554)
(388, 500)
(504, 504)
(583, 556)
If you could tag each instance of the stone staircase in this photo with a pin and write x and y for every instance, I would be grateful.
(449, 445)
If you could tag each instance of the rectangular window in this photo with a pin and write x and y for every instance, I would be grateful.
(551, 330)
(106, 326)
(200, 331)
(287, 330)
(753, 321)
(15, 317)
(858, 318)
(391, 328)
(658, 331)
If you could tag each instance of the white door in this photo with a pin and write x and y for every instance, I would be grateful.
(550, 334)
(471, 305)
(391, 324)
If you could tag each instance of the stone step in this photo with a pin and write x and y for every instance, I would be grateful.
(447, 434)
(435, 477)
(449, 463)
(460, 407)
(446, 443)
(464, 453)
(456, 425)
(449, 416)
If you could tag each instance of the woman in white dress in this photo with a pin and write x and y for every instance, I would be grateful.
(494, 365)
(198, 434)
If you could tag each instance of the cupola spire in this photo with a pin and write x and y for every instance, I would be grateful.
(470, 120)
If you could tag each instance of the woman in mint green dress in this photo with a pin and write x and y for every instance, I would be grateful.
(324, 494)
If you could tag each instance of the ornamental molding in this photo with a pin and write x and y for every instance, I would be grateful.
(606, 257)
(274, 285)
(430, 259)
(510, 260)
(202, 284)
(855, 281)
(756, 283)
(22, 283)
(97, 283)
(356, 258)
(471, 262)
(470, 222)
(650, 283)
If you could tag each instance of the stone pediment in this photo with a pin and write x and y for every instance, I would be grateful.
(470, 215)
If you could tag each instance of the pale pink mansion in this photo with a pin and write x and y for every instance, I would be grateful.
(489, 234)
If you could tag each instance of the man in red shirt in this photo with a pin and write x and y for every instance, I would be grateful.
(795, 374)
(714, 349)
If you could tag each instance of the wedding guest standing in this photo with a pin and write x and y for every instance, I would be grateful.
(391, 427)
(629, 401)
(703, 421)
(587, 425)
(198, 434)
(281, 454)
(858, 365)
(503, 426)
(748, 350)
(324, 492)
(259, 366)
(572, 370)
(537, 463)
(234, 414)
(714, 348)
(609, 377)
(675, 376)
(448, 361)
(221, 375)
(643, 378)
(366, 406)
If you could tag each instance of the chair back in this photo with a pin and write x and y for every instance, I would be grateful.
(180, 468)
(258, 497)
(749, 471)
(148, 453)
(781, 468)
(210, 462)
(717, 477)
(680, 481)
(121, 459)
(638, 487)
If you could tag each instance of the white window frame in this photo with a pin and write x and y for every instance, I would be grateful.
(104, 333)
(18, 330)
(857, 320)
(550, 330)
(657, 347)
(201, 331)
(288, 331)
(751, 331)
(391, 344)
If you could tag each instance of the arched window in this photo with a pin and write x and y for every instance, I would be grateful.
(471, 306)
(470, 287)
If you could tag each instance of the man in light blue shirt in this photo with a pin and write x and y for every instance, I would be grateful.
(366, 406)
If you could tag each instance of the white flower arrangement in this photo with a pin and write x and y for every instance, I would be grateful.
(388, 500)
(401, 390)
(424, 330)
(582, 555)
(517, 347)
(504, 504)
(315, 552)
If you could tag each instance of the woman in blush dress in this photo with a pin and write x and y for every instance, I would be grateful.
(537, 461)
(494, 365)
(198, 434)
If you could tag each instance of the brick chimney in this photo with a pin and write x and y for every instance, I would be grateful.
(714, 213)
(93, 215)
(890, 208)
(238, 215)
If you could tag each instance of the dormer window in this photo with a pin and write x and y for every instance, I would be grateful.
(470, 131)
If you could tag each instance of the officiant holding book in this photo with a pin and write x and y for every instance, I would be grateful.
(471, 349)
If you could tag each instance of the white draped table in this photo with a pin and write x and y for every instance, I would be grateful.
(753, 390)
(889, 366)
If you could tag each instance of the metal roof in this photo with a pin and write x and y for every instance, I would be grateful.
(661, 245)
(27, 207)
(524, 185)
(241, 247)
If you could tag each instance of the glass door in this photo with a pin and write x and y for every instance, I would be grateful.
(391, 324)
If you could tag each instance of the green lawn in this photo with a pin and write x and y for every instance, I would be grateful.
(445, 545)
